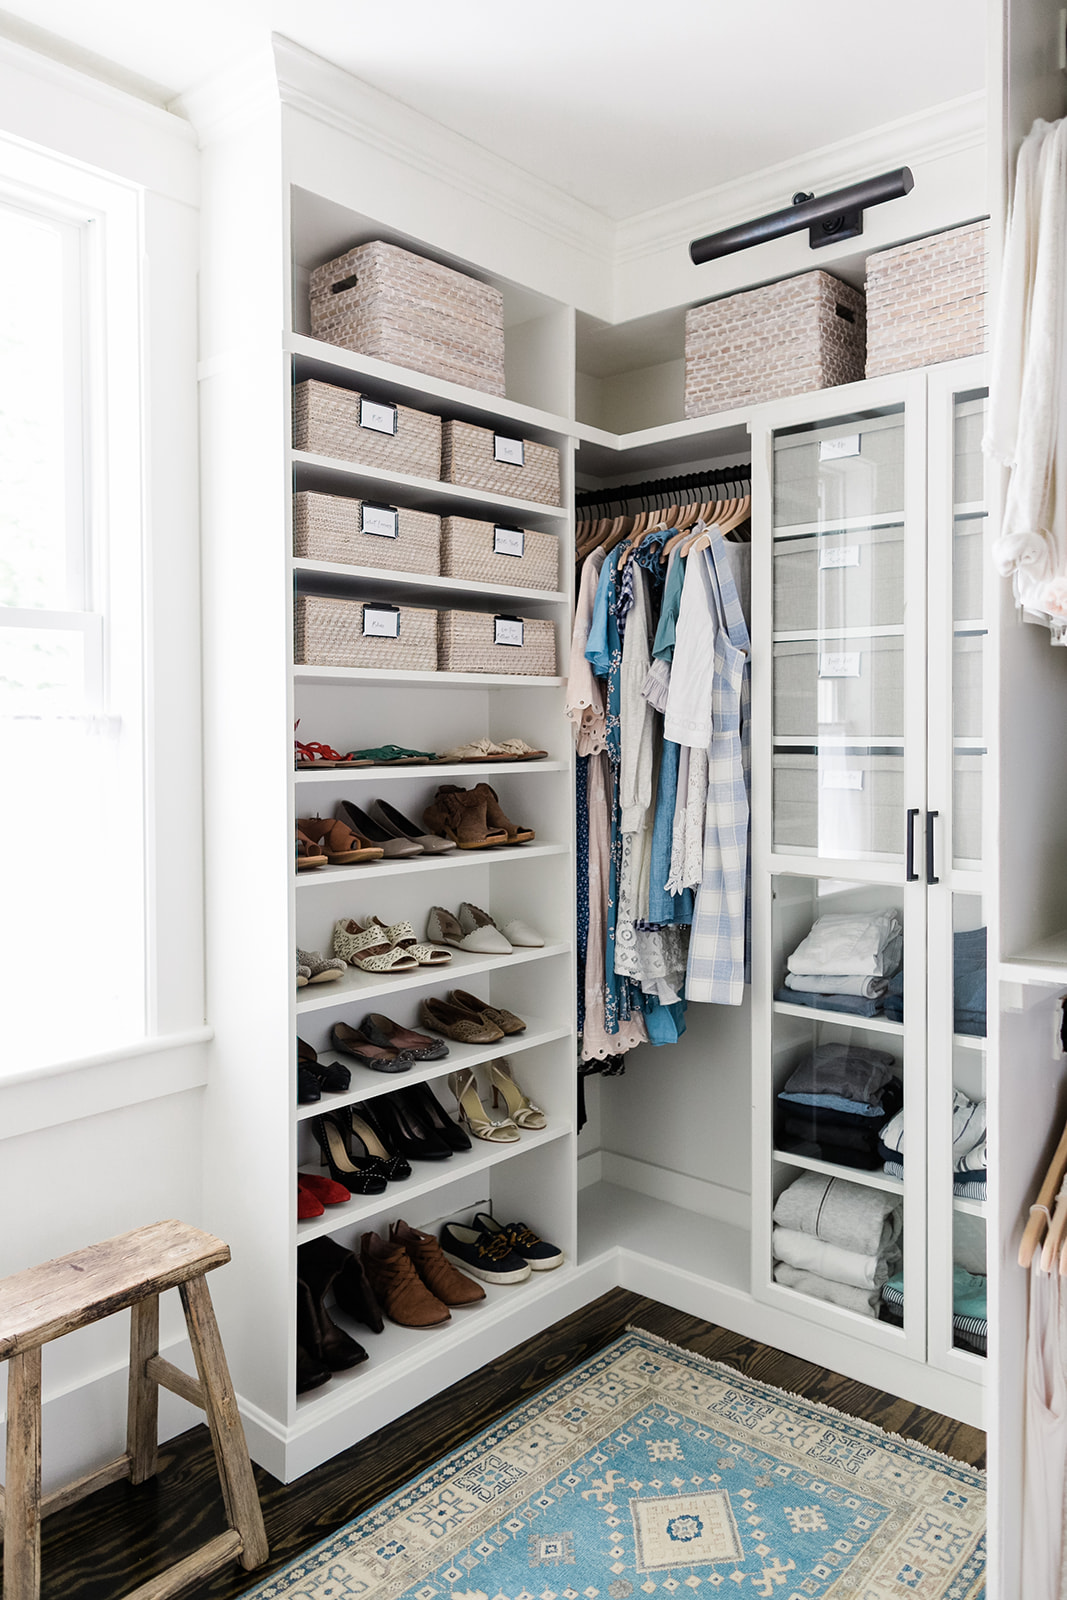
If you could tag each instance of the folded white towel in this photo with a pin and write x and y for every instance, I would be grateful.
(868, 945)
(830, 1261)
(865, 1301)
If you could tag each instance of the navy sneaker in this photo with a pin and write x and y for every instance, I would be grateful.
(486, 1255)
(540, 1255)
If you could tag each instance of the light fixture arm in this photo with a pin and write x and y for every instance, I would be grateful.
(829, 218)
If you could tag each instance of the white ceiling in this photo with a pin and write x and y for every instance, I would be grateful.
(622, 104)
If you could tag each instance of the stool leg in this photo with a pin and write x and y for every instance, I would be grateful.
(227, 1434)
(142, 1407)
(22, 1497)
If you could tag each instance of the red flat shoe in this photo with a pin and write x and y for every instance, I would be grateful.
(306, 1203)
(324, 1189)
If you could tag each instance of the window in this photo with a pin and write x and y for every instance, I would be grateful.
(73, 944)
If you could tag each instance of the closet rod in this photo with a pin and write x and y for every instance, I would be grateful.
(622, 492)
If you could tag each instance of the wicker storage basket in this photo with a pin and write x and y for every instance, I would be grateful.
(926, 301)
(473, 641)
(804, 333)
(329, 421)
(487, 552)
(330, 633)
(331, 527)
(499, 463)
(396, 306)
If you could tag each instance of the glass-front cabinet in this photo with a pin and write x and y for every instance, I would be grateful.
(868, 930)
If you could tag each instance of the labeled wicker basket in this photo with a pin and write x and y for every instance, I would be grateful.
(361, 533)
(360, 633)
(392, 304)
(328, 421)
(489, 552)
(479, 641)
(499, 463)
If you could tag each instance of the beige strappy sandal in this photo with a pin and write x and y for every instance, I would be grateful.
(370, 949)
(521, 1109)
(464, 1086)
(403, 936)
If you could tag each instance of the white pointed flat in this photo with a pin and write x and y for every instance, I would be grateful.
(473, 918)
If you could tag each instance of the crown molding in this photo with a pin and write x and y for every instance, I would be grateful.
(237, 94)
(929, 135)
(334, 97)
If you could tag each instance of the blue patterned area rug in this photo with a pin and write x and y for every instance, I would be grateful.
(649, 1470)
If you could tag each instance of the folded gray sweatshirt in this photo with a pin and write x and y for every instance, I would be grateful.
(868, 1221)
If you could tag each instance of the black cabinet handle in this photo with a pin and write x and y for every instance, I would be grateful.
(910, 874)
(931, 876)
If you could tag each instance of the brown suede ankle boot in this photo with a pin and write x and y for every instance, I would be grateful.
(397, 1286)
(495, 817)
(440, 1276)
(459, 814)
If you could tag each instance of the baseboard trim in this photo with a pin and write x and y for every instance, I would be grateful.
(706, 1198)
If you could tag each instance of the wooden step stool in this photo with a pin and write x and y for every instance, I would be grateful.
(45, 1302)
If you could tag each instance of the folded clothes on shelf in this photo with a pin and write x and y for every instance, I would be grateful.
(969, 981)
(863, 1301)
(968, 1146)
(893, 1004)
(851, 1215)
(853, 1073)
(830, 1261)
(855, 1005)
(843, 944)
(969, 1323)
(838, 983)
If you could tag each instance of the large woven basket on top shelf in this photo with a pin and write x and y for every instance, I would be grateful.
(469, 456)
(329, 633)
(467, 642)
(331, 527)
(386, 302)
(326, 422)
(487, 552)
(926, 301)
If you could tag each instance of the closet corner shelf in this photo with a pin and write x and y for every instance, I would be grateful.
(371, 871)
(367, 1084)
(357, 987)
(422, 680)
(669, 444)
(870, 1180)
(668, 1235)
(330, 475)
(844, 1018)
(313, 358)
(1044, 962)
(430, 770)
(424, 585)
(426, 1176)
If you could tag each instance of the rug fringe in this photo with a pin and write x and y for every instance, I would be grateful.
(817, 1405)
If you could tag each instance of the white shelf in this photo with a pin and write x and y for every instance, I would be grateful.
(422, 680)
(670, 1235)
(396, 1350)
(1044, 962)
(425, 769)
(876, 630)
(359, 987)
(801, 530)
(844, 1018)
(840, 741)
(368, 871)
(426, 1176)
(969, 1041)
(422, 584)
(970, 1208)
(331, 476)
(870, 1180)
(367, 1084)
(328, 362)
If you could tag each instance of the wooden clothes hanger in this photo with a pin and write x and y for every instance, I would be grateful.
(1041, 1211)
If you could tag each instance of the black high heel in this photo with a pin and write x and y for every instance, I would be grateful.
(394, 1167)
(404, 1131)
(424, 1105)
(358, 1174)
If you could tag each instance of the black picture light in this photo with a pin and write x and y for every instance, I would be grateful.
(833, 216)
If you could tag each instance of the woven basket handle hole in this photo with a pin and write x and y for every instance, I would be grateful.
(843, 311)
(345, 283)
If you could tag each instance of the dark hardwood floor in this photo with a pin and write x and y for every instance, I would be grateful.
(122, 1536)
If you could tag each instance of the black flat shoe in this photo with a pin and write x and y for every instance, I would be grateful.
(402, 1131)
(331, 1075)
(425, 1107)
(358, 1174)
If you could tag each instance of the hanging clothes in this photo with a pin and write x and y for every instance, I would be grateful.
(1044, 1474)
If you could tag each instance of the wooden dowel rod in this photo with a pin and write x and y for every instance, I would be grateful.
(168, 1376)
(201, 1564)
(72, 1492)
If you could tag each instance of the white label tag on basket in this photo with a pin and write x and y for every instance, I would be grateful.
(840, 664)
(835, 449)
(846, 555)
(847, 778)
(383, 622)
(509, 542)
(373, 414)
(382, 520)
(513, 451)
(507, 630)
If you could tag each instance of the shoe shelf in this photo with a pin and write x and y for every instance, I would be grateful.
(422, 587)
(665, 1234)
(369, 870)
(397, 1351)
(366, 1083)
(846, 1019)
(426, 1176)
(342, 676)
(312, 358)
(359, 987)
(330, 476)
(870, 1180)
(470, 770)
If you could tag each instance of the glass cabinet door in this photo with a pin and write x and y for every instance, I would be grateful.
(969, 631)
(844, 577)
